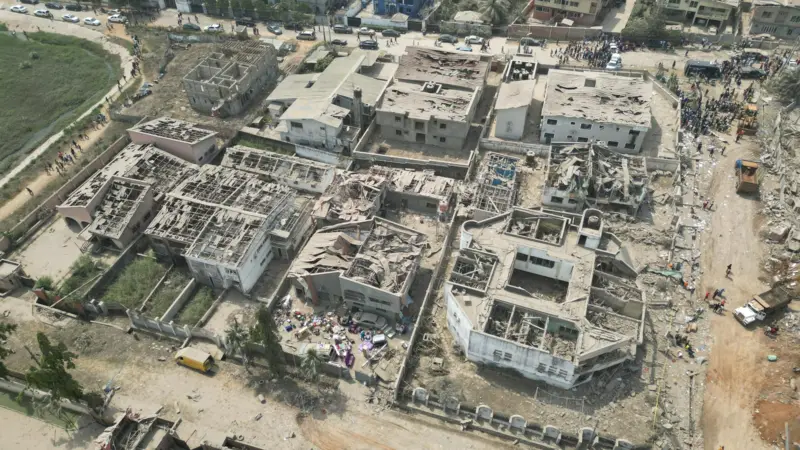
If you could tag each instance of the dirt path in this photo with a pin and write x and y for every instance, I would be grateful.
(737, 366)
(8, 208)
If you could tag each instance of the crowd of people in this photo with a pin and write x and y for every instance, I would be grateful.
(702, 113)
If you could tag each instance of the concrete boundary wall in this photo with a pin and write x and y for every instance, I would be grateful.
(322, 156)
(508, 427)
(521, 148)
(553, 32)
(155, 288)
(435, 284)
(180, 300)
(124, 258)
(670, 165)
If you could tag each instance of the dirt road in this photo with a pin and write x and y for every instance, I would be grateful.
(737, 366)
(224, 402)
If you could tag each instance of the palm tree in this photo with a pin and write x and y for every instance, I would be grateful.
(311, 364)
(236, 338)
(495, 11)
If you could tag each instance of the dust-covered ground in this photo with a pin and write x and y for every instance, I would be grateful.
(224, 401)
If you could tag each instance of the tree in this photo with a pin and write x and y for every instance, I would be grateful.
(45, 283)
(311, 365)
(265, 334)
(212, 7)
(224, 6)
(50, 372)
(495, 11)
(237, 339)
(5, 330)
(247, 7)
(261, 9)
(236, 7)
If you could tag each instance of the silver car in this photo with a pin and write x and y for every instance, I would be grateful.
(369, 320)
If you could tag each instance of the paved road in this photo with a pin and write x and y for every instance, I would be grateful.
(28, 22)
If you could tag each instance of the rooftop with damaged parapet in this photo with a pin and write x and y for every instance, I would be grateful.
(496, 185)
(519, 274)
(598, 97)
(376, 252)
(145, 163)
(292, 171)
(595, 174)
(451, 69)
(220, 208)
(388, 257)
(119, 205)
(352, 197)
(429, 100)
(174, 129)
(417, 182)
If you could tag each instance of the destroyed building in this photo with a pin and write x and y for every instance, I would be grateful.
(592, 176)
(352, 197)
(585, 106)
(433, 97)
(124, 211)
(417, 190)
(327, 110)
(297, 173)
(514, 97)
(182, 139)
(370, 265)
(231, 77)
(549, 295)
(496, 185)
(221, 222)
(119, 199)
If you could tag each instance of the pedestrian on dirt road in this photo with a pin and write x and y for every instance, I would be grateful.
(722, 152)
(739, 133)
(728, 271)
(707, 294)
(716, 293)
(29, 191)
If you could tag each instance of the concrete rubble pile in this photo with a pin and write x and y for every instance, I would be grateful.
(781, 201)
(351, 198)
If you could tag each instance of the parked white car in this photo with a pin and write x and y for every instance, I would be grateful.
(474, 40)
(19, 9)
(615, 63)
(70, 18)
(214, 27)
(117, 18)
(42, 13)
(364, 31)
(91, 21)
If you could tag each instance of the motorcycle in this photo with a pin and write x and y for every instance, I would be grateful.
(771, 332)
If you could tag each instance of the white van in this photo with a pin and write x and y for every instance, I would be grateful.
(307, 36)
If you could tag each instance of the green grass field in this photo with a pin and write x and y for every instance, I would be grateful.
(48, 81)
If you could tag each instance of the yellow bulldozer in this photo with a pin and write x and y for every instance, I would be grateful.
(748, 176)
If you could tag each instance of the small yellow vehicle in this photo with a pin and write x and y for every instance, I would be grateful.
(194, 359)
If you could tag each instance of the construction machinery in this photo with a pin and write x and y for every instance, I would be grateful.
(748, 176)
(748, 122)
